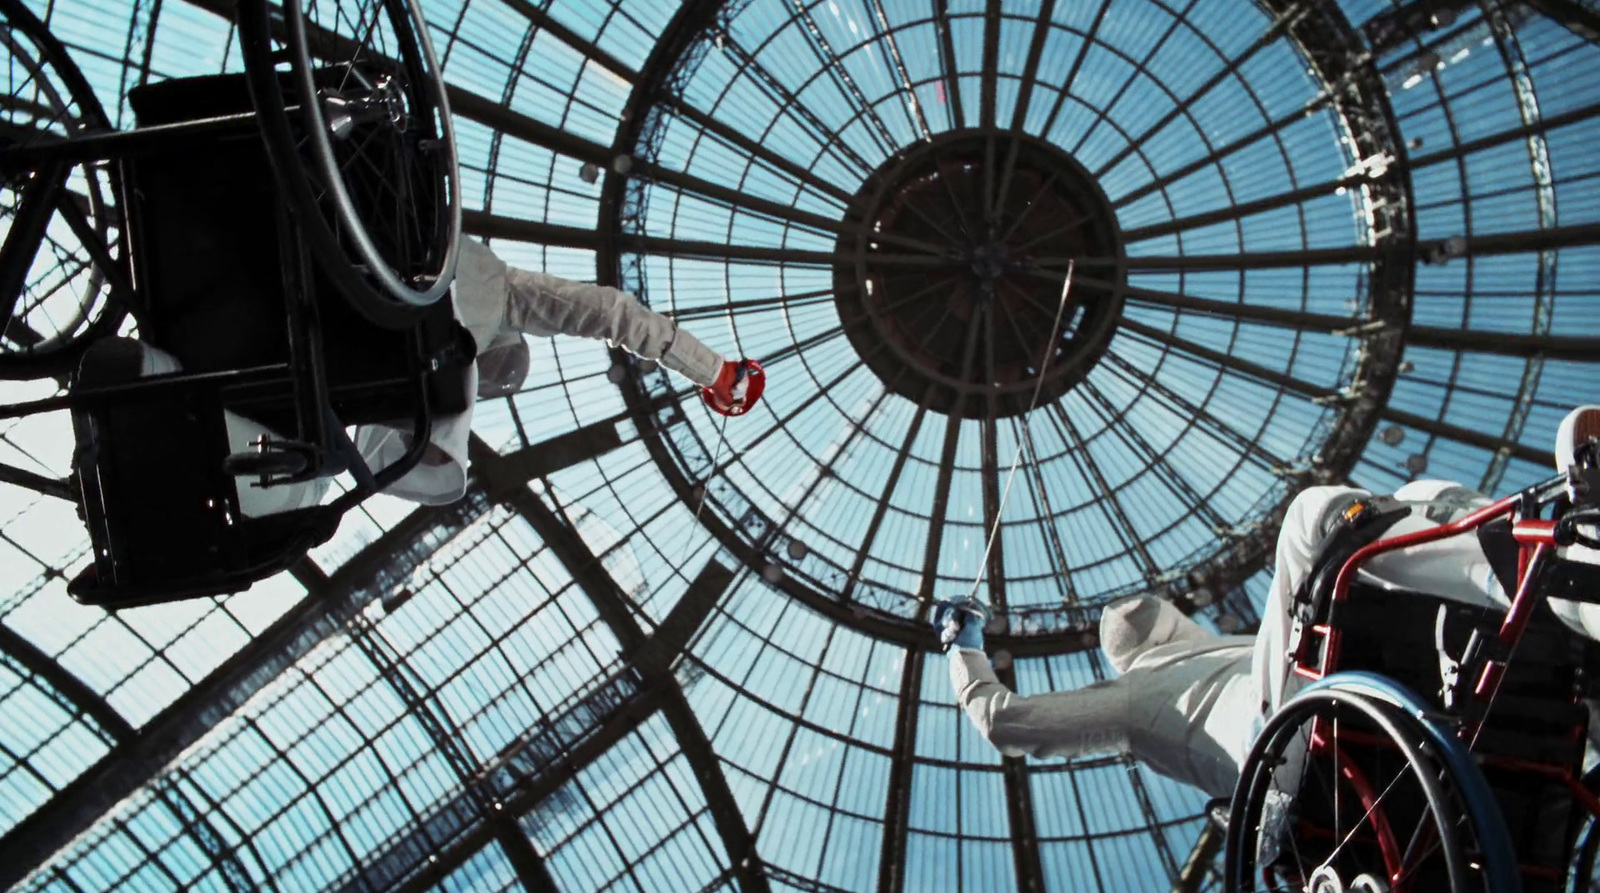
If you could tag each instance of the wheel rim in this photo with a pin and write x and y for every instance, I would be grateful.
(405, 100)
(61, 304)
(1421, 815)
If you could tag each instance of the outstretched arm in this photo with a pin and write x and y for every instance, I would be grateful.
(541, 304)
(1089, 720)
(1075, 723)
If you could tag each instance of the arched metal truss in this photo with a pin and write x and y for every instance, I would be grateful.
(775, 698)
(1375, 172)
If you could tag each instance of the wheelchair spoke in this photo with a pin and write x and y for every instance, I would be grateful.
(1378, 801)
(66, 278)
(1412, 860)
(362, 39)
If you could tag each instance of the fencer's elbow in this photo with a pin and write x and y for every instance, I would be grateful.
(998, 719)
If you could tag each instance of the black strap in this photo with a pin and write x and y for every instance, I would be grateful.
(1361, 523)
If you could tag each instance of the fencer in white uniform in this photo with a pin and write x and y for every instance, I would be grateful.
(1189, 703)
(497, 305)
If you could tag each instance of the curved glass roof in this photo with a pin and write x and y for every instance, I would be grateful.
(650, 651)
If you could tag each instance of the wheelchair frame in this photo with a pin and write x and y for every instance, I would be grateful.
(1537, 540)
(1316, 656)
(319, 437)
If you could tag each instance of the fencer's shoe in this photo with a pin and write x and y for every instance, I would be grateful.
(737, 388)
(1579, 427)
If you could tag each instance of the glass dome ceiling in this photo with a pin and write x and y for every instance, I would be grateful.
(1314, 242)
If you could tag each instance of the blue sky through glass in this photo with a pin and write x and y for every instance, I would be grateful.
(1142, 471)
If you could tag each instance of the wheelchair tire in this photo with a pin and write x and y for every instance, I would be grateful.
(1380, 797)
(369, 168)
(62, 313)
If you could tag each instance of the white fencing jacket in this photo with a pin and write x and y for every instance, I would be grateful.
(491, 300)
(1184, 703)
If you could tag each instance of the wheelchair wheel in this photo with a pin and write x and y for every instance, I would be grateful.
(359, 132)
(60, 224)
(1347, 791)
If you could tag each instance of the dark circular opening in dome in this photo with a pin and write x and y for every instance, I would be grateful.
(951, 272)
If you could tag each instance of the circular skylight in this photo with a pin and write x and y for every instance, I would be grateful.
(892, 236)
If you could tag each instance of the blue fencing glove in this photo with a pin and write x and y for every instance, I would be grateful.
(959, 621)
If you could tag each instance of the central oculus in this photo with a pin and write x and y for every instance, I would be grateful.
(949, 271)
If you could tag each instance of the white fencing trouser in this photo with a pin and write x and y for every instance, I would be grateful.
(492, 299)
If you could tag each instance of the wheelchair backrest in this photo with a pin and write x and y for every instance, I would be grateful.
(209, 247)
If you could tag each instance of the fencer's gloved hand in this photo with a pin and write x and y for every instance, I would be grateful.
(737, 388)
(959, 622)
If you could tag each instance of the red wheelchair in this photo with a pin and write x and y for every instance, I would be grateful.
(1433, 745)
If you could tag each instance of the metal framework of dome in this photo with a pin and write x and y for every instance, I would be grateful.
(1314, 242)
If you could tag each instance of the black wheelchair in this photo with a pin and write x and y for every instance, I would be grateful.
(1433, 746)
(285, 235)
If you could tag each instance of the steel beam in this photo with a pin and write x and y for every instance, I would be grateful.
(383, 566)
(1117, 418)
(63, 685)
(1247, 445)
(1543, 125)
(1030, 68)
(1083, 457)
(1148, 810)
(891, 50)
(796, 299)
(787, 102)
(1025, 857)
(481, 223)
(494, 226)
(1575, 348)
(1201, 864)
(1303, 320)
(1578, 348)
(1218, 153)
(1077, 65)
(206, 836)
(21, 477)
(423, 706)
(521, 777)
(653, 660)
(991, 65)
(1321, 392)
(542, 459)
(939, 508)
(497, 116)
(1272, 35)
(542, 20)
(1575, 236)
(833, 67)
(719, 128)
(897, 806)
(882, 507)
(1248, 260)
(1243, 209)
(947, 63)
(1579, 18)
